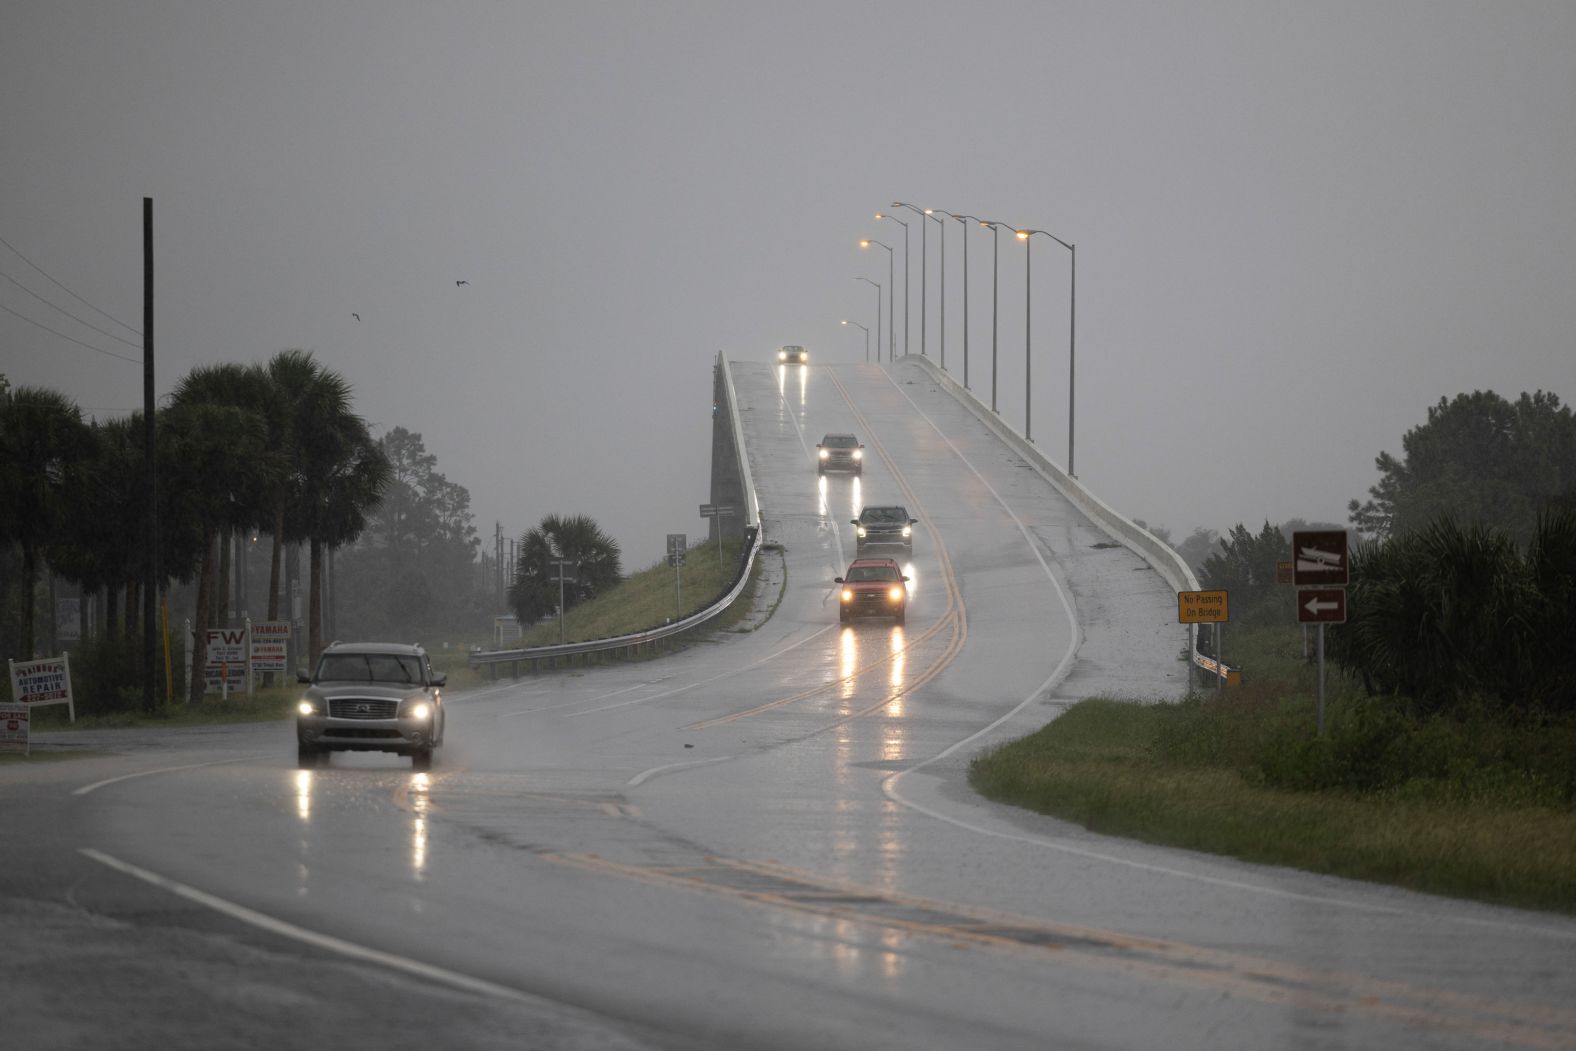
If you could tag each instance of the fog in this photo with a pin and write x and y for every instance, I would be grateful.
(1297, 226)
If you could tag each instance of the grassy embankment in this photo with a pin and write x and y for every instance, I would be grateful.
(1476, 806)
(643, 600)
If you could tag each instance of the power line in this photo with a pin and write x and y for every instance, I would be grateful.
(68, 291)
(68, 313)
(62, 335)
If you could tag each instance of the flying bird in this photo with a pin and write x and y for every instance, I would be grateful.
(356, 316)
(457, 284)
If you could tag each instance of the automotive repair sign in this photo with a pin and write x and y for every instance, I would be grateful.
(46, 681)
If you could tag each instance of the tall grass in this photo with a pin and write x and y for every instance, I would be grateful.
(1476, 803)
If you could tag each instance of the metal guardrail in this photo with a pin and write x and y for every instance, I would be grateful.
(1130, 534)
(631, 643)
(636, 641)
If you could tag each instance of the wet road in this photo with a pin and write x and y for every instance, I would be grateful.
(765, 841)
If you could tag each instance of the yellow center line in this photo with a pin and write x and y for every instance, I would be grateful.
(953, 617)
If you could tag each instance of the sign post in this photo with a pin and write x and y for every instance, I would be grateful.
(1208, 607)
(563, 572)
(678, 543)
(717, 511)
(1321, 569)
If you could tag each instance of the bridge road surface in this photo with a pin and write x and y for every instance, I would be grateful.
(765, 841)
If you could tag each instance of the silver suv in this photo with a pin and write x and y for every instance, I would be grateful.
(370, 697)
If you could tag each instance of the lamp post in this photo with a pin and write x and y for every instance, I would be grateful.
(964, 221)
(995, 249)
(1072, 330)
(877, 285)
(867, 337)
(949, 215)
(924, 280)
(895, 219)
(891, 286)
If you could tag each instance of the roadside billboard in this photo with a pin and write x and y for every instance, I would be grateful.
(270, 646)
(41, 682)
(14, 726)
(226, 667)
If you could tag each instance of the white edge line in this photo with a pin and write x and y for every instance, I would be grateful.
(646, 775)
(313, 938)
(85, 789)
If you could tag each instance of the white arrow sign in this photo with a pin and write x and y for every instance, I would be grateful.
(1316, 607)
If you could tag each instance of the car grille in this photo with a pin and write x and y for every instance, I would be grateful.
(359, 733)
(362, 708)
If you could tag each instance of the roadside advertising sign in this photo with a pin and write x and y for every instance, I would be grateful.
(226, 667)
(46, 681)
(270, 645)
(14, 728)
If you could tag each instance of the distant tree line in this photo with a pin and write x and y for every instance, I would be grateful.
(1463, 583)
(272, 448)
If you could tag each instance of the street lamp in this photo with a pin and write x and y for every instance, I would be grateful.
(995, 250)
(924, 263)
(877, 285)
(895, 219)
(949, 215)
(964, 221)
(891, 324)
(867, 337)
(1072, 332)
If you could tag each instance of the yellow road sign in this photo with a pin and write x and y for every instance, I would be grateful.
(1201, 607)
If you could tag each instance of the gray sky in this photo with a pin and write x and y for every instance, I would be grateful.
(1298, 225)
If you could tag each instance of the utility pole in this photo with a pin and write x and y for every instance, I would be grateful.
(150, 583)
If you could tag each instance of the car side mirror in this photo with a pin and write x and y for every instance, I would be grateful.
(853, 521)
(439, 678)
(837, 580)
(913, 521)
(302, 675)
(905, 580)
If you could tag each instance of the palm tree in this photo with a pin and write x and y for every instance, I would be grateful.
(220, 413)
(533, 593)
(42, 440)
(345, 472)
(250, 389)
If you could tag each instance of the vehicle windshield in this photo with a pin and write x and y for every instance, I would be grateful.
(872, 573)
(369, 667)
(839, 441)
(884, 514)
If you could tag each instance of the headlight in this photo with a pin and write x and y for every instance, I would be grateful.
(859, 454)
(907, 531)
(418, 710)
(848, 595)
(896, 594)
(781, 356)
(307, 707)
(861, 532)
(825, 454)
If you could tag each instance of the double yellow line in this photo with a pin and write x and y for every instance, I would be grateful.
(953, 619)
